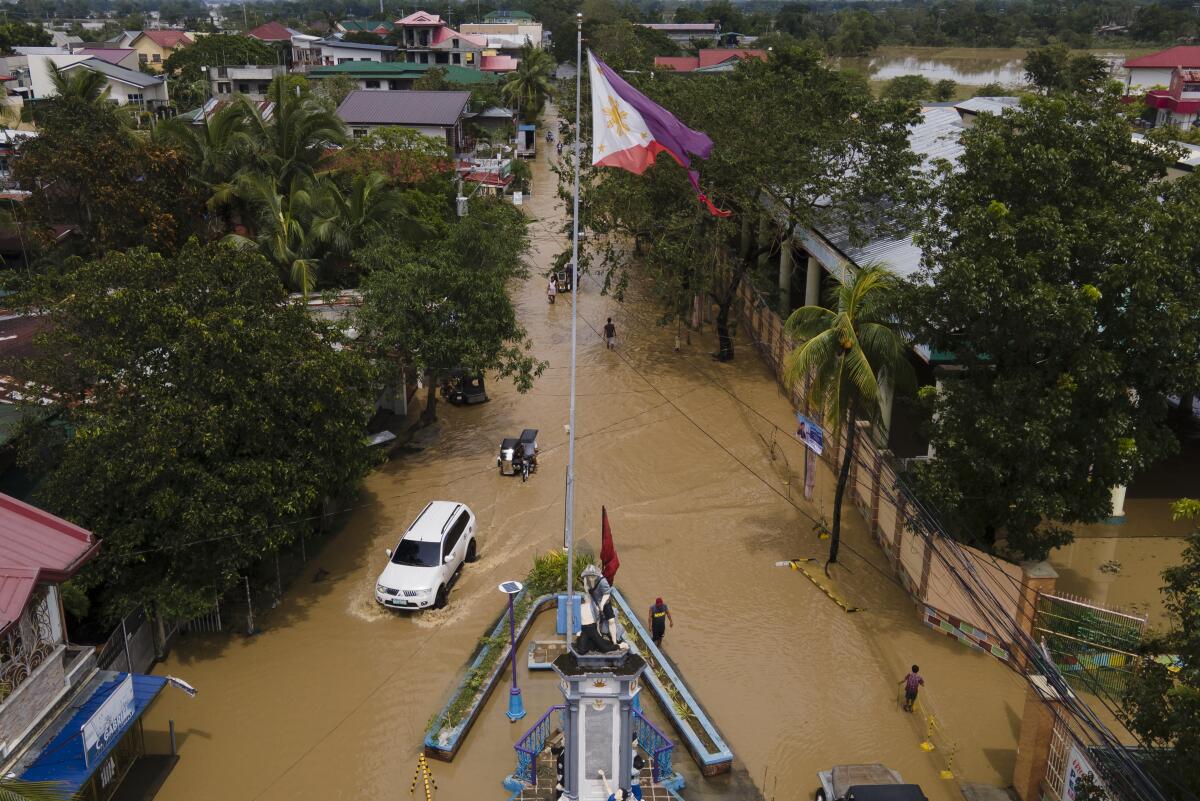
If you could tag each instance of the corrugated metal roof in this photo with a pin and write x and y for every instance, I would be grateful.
(132, 77)
(379, 48)
(1182, 56)
(365, 107)
(35, 546)
(988, 105)
(935, 137)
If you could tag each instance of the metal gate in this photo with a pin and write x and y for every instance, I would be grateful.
(1093, 647)
(1056, 761)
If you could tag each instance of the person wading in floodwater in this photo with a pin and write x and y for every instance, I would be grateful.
(912, 682)
(660, 616)
(610, 335)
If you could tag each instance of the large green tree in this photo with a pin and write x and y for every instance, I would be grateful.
(88, 172)
(816, 146)
(1162, 701)
(1063, 281)
(207, 418)
(447, 305)
(853, 355)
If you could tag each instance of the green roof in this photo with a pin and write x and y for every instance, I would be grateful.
(400, 69)
(496, 16)
(368, 25)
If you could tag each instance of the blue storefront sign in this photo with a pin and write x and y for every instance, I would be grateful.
(810, 434)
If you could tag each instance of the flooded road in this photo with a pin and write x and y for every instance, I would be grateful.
(701, 478)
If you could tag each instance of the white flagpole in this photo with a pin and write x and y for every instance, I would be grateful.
(569, 533)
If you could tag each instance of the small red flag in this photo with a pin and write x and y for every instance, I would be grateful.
(608, 552)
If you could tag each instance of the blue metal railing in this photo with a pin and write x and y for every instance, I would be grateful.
(529, 746)
(656, 744)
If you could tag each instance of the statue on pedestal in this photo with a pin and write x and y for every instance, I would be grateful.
(598, 620)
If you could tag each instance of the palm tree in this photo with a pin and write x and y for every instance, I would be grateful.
(346, 219)
(294, 140)
(17, 790)
(533, 81)
(219, 148)
(84, 84)
(281, 233)
(849, 352)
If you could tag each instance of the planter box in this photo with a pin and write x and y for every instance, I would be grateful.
(444, 746)
(712, 762)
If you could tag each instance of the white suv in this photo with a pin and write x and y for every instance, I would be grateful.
(428, 557)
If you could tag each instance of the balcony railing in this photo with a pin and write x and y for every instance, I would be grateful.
(26, 644)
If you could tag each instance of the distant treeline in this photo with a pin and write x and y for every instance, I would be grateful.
(837, 26)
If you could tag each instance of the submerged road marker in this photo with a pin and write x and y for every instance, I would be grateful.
(796, 564)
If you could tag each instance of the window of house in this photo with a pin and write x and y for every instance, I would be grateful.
(1191, 87)
(393, 85)
(224, 88)
(156, 58)
(359, 133)
(372, 84)
(142, 59)
(344, 60)
(365, 59)
(470, 58)
(134, 98)
(243, 88)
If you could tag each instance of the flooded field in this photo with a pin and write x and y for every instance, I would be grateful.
(973, 66)
(701, 479)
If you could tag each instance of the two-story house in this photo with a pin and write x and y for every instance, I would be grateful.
(426, 39)
(155, 47)
(1179, 104)
(61, 719)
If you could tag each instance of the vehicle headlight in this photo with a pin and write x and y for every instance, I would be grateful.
(379, 588)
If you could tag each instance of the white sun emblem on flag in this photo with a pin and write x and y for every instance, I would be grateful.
(616, 117)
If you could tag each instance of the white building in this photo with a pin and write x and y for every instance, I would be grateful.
(32, 69)
(1147, 72)
(251, 81)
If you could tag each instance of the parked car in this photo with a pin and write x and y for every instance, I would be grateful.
(872, 782)
(428, 558)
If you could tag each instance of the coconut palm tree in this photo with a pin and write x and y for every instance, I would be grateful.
(293, 141)
(84, 84)
(850, 351)
(281, 231)
(532, 82)
(17, 790)
(219, 149)
(346, 219)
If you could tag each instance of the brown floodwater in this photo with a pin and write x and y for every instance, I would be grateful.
(702, 482)
(973, 66)
(1123, 573)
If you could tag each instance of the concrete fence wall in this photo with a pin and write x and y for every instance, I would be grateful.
(925, 563)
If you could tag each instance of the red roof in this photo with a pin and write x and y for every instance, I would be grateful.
(709, 57)
(420, 18)
(272, 31)
(1182, 56)
(712, 57)
(488, 179)
(36, 546)
(498, 63)
(677, 63)
(442, 34)
(168, 38)
(1160, 99)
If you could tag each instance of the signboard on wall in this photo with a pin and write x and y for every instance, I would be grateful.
(109, 721)
(1077, 767)
(810, 433)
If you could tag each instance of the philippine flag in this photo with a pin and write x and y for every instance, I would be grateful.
(629, 130)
